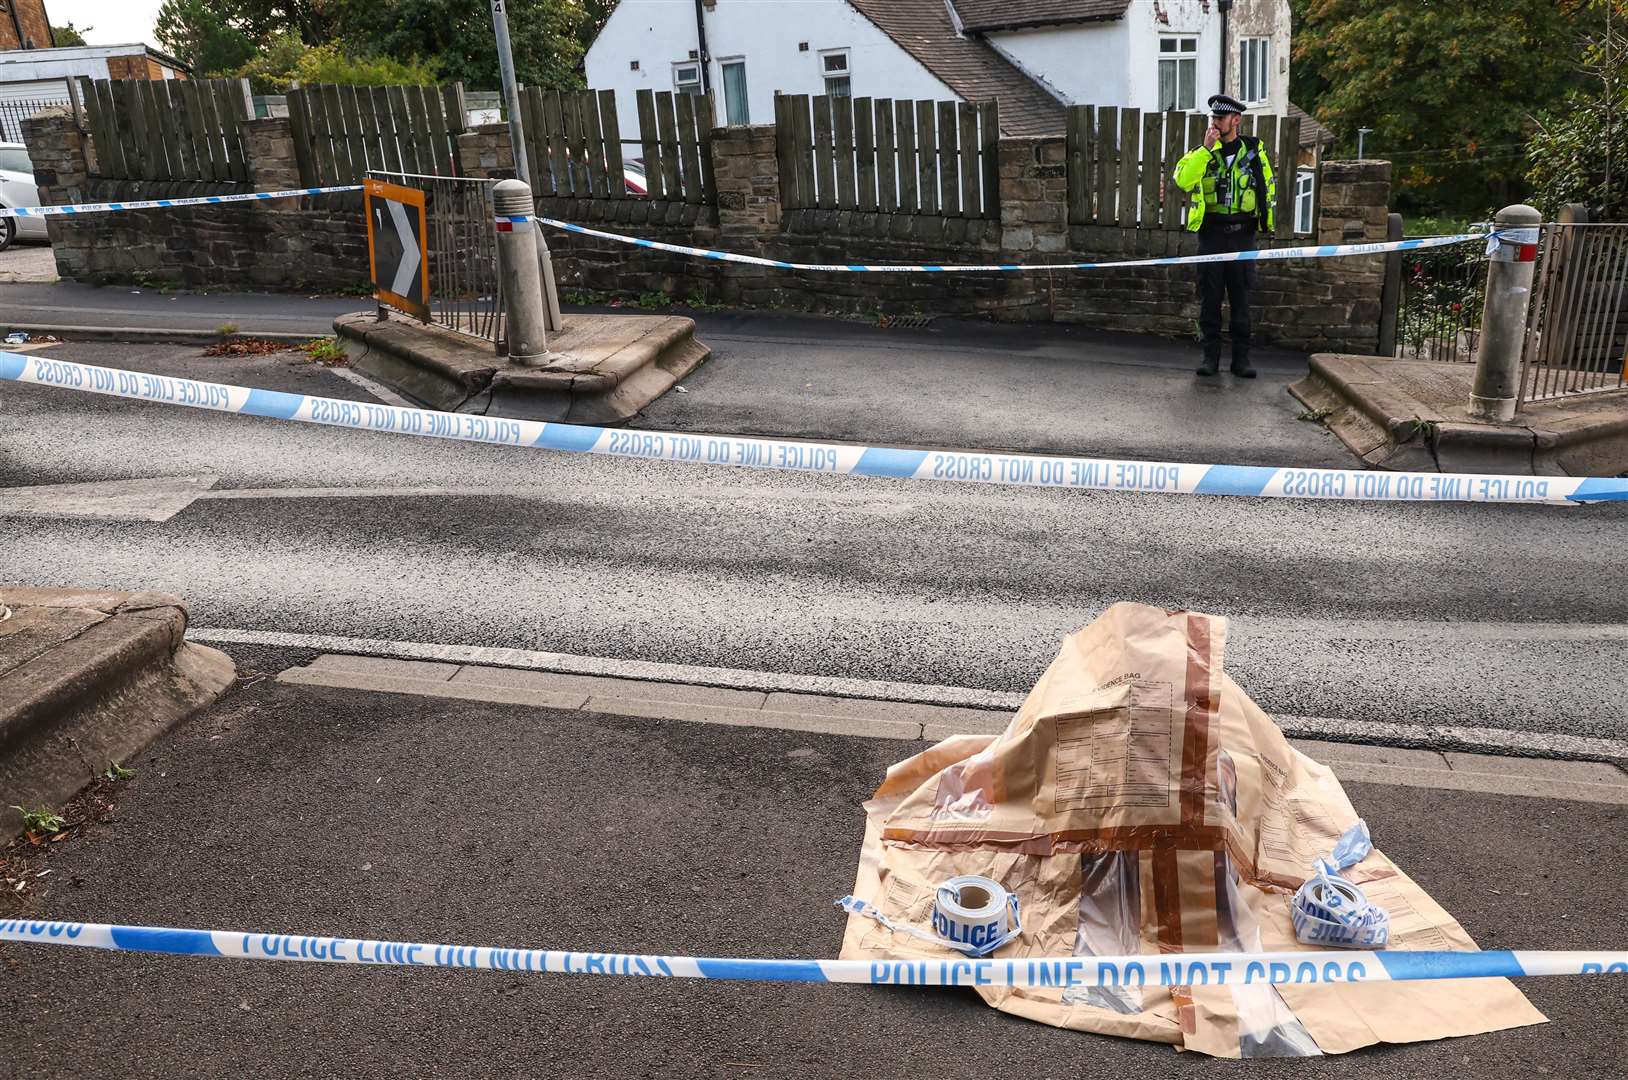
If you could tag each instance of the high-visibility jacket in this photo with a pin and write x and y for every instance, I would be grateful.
(1251, 187)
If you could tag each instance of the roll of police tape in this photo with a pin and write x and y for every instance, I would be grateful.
(955, 466)
(1309, 251)
(975, 915)
(971, 914)
(1330, 910)
(152, 204)
(1170, 969)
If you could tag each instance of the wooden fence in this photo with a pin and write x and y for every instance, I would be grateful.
(342, 132)
(575, 147)
(892, 157)
(167, 129)
(1121, 161)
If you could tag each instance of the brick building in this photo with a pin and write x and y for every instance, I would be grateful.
(24, 25)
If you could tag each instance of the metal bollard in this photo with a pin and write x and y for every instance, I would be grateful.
(1503, 318)
(518, 270)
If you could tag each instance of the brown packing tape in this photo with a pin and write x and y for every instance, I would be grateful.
(1134, 740)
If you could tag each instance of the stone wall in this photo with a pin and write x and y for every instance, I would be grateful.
(1303, 303)
(301, 245)
(320, 243)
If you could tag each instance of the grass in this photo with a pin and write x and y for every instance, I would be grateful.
(40, 822)
(116, 772)
(326, 351)
(226, 329)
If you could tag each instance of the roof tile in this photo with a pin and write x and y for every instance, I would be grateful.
(980, 16)
(967, 65)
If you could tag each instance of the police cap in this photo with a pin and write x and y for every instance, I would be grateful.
(1222, 103)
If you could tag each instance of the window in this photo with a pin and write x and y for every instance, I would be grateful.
(15, 161)
(736, 109)
(834, 68)
(1178, 73)
(1253, 81)
(687, 78)
(1305, 188)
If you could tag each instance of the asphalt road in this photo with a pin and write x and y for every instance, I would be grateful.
(1500, 617)
(326, 811)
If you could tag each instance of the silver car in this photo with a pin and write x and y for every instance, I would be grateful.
(17, 189)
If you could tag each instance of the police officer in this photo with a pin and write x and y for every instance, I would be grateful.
(1234, 195)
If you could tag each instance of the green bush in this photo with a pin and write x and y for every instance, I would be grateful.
(286, 60)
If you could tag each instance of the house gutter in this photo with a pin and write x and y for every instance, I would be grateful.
(701, 43)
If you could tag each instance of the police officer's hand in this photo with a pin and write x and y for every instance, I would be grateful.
(1212, 135)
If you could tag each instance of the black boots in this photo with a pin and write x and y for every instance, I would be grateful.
(1241, 367)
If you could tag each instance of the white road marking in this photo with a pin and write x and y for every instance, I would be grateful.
(1444, 737)
(378, 390)
(155, 499)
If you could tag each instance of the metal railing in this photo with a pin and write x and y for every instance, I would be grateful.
(13, 113)
(1577, 330)
(465, 293)
(1439, 313)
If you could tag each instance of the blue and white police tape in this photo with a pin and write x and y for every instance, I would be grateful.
(1329, 909)
(1314, 251)
(1170, 969)
(959, 466)
(149, 204)
(971, 914)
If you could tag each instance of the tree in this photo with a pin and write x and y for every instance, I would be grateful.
(1579, 153)
(216, 37)
(205, 36)
(1449, 87)
(69, 35)
(456, 37)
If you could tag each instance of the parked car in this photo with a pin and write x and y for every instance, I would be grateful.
(17, 189)
(633, 176)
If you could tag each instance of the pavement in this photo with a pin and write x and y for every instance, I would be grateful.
(300, 808)
(26, 261)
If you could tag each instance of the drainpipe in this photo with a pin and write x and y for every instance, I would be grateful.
(17, 24)
(701, 41)
(1225, 7)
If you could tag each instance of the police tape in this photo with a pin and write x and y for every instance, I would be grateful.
(1316, 251)
(955, 466)
(1329, 909)
(149, 204)
(971, 914)
(1169, 969)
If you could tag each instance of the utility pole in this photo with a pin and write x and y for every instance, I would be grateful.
(517, 137)
(1362, 134)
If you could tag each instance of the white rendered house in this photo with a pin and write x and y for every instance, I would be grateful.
(1035, 56)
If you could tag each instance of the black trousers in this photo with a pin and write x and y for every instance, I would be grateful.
(1230, 280)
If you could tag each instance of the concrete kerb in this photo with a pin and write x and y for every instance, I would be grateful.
(602, 369)
(1441, 768)
(87, 679)
(1387, 427)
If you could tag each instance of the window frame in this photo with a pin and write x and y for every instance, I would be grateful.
(724, 65)
(1305, 199)
(845, 76)
(1182, 58)
(1251, 49)
(686, 86)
